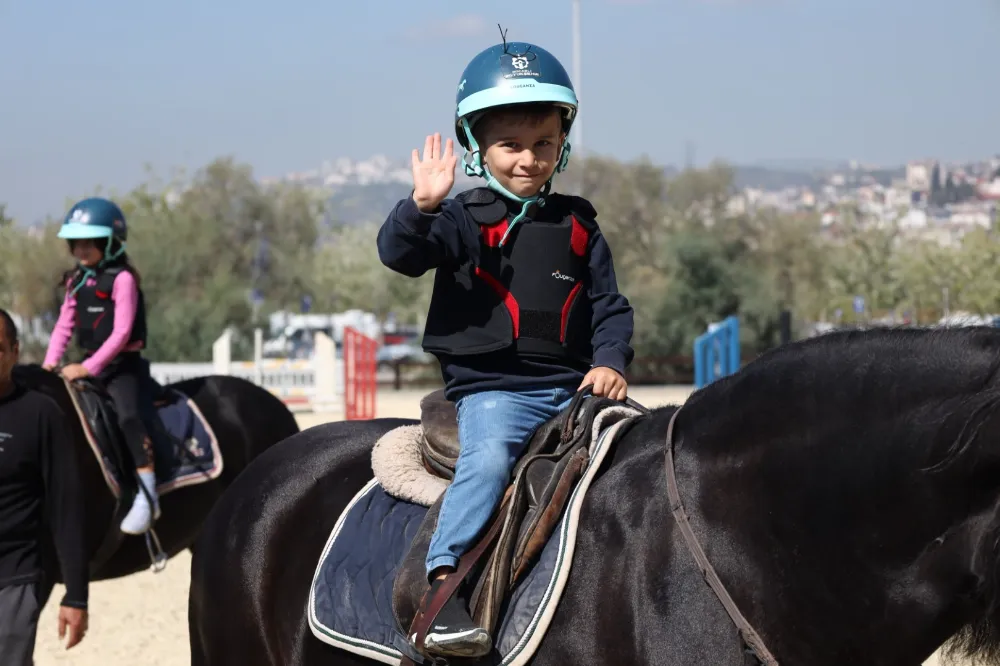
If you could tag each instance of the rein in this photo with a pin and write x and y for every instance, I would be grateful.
(750, 637)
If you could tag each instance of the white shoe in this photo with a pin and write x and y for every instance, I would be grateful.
(140, 518)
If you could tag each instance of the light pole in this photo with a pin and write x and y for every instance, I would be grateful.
(577, 127)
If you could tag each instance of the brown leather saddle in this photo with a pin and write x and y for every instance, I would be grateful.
(542, 482)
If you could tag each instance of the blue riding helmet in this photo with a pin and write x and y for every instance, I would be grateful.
(503, 75)
(97, 218)
(94, 218)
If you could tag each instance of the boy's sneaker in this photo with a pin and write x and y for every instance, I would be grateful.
(453, 633)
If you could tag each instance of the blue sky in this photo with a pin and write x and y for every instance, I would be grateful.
(92, 92)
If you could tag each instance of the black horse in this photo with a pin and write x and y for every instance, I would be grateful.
(846, 489)
(246, 420)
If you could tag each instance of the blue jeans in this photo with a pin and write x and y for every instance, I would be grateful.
(493, 428)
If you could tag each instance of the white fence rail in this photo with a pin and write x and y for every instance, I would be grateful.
(316, 384)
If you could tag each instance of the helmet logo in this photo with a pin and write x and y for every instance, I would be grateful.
(461, 86)
(519, 65)
(80, 216)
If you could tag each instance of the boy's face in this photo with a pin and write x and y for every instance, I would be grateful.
(522, 150)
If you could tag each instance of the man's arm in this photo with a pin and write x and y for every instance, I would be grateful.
(613, 316)
(412, 242)
(64, 505)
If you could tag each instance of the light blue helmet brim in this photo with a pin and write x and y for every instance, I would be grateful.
(516, 94)
(71, 231)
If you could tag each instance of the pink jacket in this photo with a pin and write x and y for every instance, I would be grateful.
(125, 294)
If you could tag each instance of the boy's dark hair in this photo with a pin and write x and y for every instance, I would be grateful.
(9, 326)
(532, 113)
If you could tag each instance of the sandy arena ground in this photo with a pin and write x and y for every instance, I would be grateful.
(142, 619)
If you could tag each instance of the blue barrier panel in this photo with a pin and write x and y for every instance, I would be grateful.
(717, 352)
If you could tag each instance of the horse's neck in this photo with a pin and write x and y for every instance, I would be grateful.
(807, 539)
(33, 377)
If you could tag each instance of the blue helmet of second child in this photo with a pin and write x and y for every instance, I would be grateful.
(95, 218)
(506, 74)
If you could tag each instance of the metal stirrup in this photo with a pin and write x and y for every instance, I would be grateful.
(159, 558)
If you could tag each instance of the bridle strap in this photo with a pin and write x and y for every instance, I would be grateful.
(750, 637)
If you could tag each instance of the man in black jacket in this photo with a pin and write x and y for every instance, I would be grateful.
(38, 488)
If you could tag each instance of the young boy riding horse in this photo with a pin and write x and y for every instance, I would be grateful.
(525, 308)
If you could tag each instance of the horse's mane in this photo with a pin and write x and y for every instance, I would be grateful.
(924, 400)
(979, 641)
(875, 375)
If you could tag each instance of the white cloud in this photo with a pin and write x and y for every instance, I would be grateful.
(463, 25)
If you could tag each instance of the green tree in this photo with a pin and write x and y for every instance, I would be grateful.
(36, 265)
(926, 269)
(350, 275)
(786, 269)
(863, 264)
(977, 289)
(198, 248)
(706, 283)
(688, 251)
(686, 257)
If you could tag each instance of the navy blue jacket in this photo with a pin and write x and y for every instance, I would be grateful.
(411, 243)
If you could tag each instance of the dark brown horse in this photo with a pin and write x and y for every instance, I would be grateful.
(246, 420)
(845, 488)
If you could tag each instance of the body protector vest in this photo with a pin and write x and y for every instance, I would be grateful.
(95, 312)
(531, 294)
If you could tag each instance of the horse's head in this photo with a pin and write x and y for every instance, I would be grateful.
(861, 471)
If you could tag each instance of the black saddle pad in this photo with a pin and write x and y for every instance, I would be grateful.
(351, 597)
(185, 449)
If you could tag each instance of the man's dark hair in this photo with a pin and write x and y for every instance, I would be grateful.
(9, 325)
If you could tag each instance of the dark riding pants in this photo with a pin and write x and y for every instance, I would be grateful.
(18, 624)
(128, 383)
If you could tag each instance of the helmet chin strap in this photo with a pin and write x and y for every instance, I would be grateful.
(108, 255)
(476, 167)
(86, 273)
